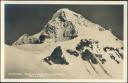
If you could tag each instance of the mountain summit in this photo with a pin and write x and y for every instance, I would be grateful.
(64, 25)
(67, 25)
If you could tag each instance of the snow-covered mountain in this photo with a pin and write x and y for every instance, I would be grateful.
(74, 38)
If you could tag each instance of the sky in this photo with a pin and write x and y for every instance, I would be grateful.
(21, 19)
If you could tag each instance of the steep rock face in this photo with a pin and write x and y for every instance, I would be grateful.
(61, 26)
(58, 33)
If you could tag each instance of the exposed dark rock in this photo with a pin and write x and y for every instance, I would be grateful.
(42, 38)
(103, 61)
(98, 55)
(122, 48)
(70, 30)
(83, 48)
(73, 52)
(62, 17)
(47, 60)
(120, 54)
(86, 43)
(116, 50)
(117, 61)
(56, 57)
(79, 47)
(112, 57)
(87, 55)
(108, 49)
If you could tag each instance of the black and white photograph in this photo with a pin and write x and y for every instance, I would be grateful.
(64, 41)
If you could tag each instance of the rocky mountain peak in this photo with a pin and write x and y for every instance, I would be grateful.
(66, 25)
(61, 26)
(64, 14)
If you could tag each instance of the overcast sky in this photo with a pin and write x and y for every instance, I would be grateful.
(21, 19)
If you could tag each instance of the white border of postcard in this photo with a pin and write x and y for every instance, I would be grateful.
(124, 3)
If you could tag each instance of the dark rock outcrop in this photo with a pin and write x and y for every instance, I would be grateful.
(87, 55)
(86, 45)
(100, 57)
(117, 53)
(56, 57)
